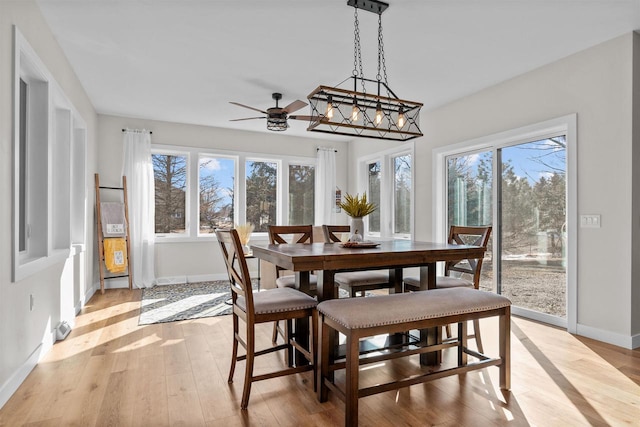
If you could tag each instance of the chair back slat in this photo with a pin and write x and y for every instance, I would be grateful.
(331, 230)
(467, 235)
(283, 234)
(236, 264)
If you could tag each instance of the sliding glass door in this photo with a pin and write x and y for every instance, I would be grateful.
(519, 189)
(469, 199)
(532, 232)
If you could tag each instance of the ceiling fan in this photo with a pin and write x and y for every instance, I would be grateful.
(276, 116)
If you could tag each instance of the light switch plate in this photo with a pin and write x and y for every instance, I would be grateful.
(590, 221)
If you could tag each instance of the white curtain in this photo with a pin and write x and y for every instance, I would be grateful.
(141, 199)
(325, 196)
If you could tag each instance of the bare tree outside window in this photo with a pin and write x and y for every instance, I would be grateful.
(215, 199)
(170, 175)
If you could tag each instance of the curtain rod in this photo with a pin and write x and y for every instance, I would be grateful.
(335, 151)
(136, 130)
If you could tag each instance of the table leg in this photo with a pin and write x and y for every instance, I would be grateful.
(302, 325)
(326, 291)
(430, 336)
(395, 277)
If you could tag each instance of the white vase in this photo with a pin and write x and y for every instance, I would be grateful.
(356, 226)
(246, 249)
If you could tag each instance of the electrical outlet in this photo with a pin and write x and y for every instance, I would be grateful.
(32, 302)
(590, 221)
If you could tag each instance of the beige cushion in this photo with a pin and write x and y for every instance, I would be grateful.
(359, 313)
(355, 278)
(442, 282)
(289, 281)
(278, 301)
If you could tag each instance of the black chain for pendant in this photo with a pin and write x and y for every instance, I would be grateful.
(381, 60)
(357, 53)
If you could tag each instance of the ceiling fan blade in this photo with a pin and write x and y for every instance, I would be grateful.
(248, 118)
(246, 106)
(307, 118)
(294, 106)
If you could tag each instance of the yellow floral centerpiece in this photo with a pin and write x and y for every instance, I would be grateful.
(357, 207)
(244, 234)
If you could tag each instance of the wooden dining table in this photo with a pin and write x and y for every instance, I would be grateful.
(327, 259)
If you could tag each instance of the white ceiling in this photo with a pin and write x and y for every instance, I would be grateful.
(184, 60)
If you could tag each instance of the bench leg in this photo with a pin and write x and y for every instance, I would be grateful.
(505, 349)
(352, 380)
(462, 343)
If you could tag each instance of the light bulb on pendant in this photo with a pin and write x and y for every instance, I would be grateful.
(354, 111)
(329, 107)
(400, 118)
(378, 113)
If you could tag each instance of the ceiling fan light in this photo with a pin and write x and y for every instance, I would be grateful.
(277, 124)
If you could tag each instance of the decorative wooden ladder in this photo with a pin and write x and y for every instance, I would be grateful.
(101, 236)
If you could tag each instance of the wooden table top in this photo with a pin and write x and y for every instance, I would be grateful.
(389, 254)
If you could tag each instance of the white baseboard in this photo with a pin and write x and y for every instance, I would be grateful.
(18, 377)
(626, 341)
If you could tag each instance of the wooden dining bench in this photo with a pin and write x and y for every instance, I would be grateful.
(358, 318)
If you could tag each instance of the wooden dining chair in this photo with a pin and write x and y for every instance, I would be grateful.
(355, 282)
(469, 269)
(283, 234)
(266, 306)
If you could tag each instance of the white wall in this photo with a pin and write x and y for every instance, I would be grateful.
(201, 258)
(597, 85)
(25, 334)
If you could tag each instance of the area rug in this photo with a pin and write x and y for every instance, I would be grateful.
(184, 301)
(170, 303)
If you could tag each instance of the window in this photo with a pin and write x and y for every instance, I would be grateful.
(388, 181)
(22, 169)
(215, 193)
(170, 176)
(44, 129)
(218, 188)
(373, 193)
(262, 194)
(402, 194)
(301, 194)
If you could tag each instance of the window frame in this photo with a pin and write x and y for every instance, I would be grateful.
(387, 186)
(240, 159)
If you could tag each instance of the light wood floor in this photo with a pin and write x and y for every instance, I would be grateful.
(110, 371)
